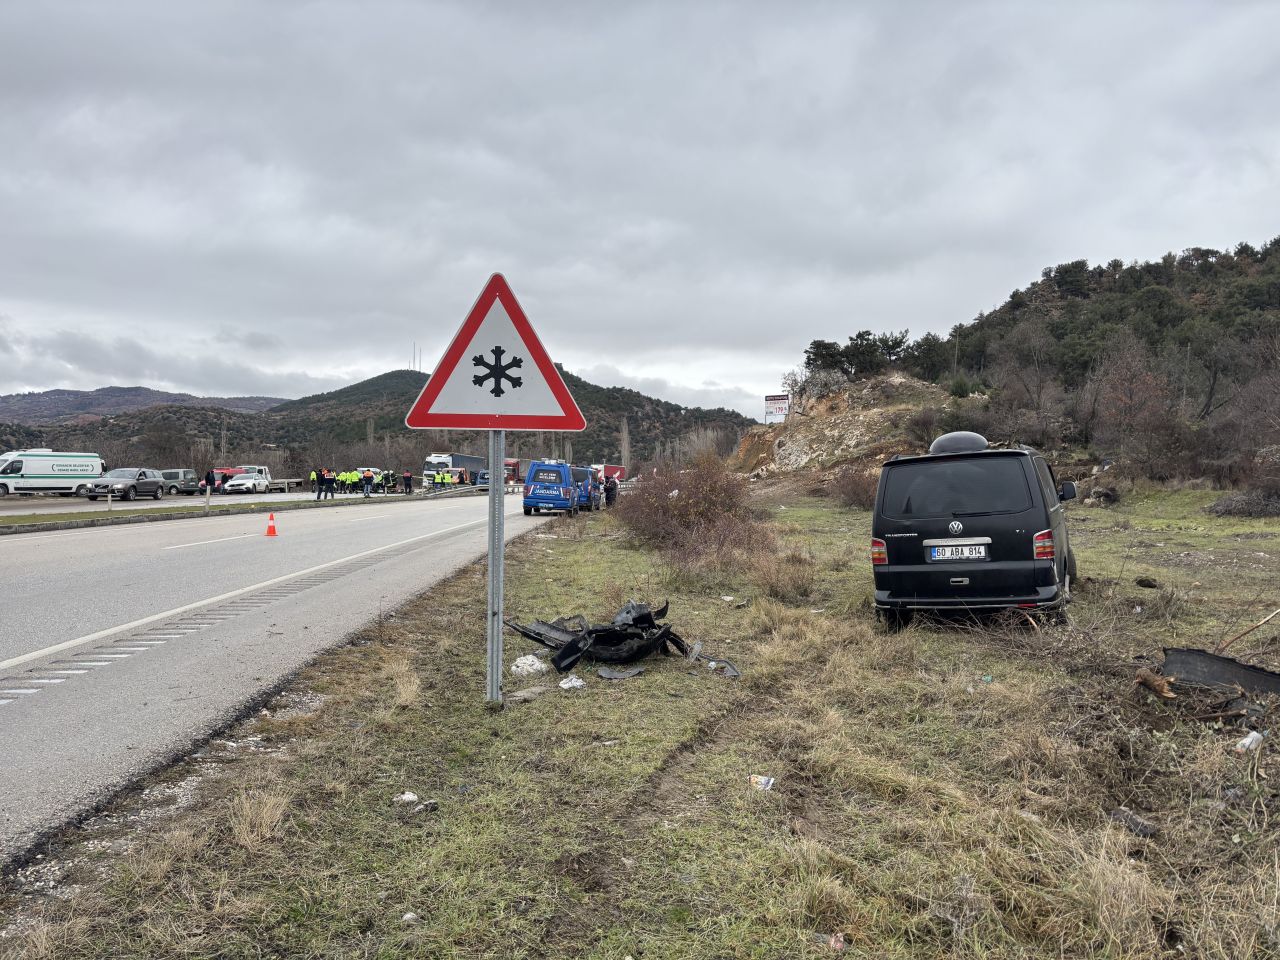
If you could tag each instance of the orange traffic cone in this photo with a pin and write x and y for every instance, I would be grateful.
(271, 525)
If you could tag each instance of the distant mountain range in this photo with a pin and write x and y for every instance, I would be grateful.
(339, 417)
(79, 406)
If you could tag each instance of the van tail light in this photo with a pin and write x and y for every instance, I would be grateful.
(1044, 545)
(879, 555)
(528, 489)
(568, 492)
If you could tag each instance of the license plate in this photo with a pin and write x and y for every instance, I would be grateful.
(970, 551)
(547, 492)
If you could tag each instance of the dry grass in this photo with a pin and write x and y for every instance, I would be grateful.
(941, 792)
(255, 816)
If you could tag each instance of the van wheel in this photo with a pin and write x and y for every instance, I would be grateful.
(895, 620)
(4, 491)
(159, 493)
(81, 490)
(173, 491)
(528, 511)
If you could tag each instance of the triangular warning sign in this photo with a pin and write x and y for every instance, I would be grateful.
(496, 375)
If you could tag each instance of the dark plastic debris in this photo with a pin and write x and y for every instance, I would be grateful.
(633, 635)
(1205, 669)
(1134, 823)
(608, 673)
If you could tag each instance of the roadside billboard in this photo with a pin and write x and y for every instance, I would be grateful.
(776, 406)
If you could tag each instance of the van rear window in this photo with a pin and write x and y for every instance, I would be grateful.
(547, 476)
(954, 487)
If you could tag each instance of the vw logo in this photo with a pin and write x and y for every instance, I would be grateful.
(956, 528)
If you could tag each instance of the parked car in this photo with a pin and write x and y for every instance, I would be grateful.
(127, 483)
(549, 487)
(965, 527)
(482, 478)
(248, 483)
(181, 480)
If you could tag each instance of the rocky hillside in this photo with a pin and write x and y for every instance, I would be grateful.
(865, 423)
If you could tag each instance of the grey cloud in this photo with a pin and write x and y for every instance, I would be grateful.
(326, 182)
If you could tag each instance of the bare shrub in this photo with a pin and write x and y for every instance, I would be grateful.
(924, 425)
(855, 487)
(696, 514)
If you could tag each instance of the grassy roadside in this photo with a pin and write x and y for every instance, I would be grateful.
(940, 792)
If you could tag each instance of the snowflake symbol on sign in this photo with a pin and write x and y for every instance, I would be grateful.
(497, 371)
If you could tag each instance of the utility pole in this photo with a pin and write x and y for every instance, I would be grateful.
(625, 439)
(222, 447)
(368, 431)
(568, 448)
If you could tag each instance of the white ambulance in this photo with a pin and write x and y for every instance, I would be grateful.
(48, 471)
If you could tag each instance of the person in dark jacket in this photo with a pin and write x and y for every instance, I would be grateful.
(318, 473)
(209, 481)
(407, 477)
(610, 491)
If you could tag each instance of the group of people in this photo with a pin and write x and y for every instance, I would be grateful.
(326, 482)
(443, 479)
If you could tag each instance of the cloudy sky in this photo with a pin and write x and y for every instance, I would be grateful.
(253, 198)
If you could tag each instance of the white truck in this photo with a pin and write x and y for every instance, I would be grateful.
(48, 471)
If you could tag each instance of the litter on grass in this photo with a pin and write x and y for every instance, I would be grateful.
(761, 782)
(528, 666)
(1201, 668)
(572, 683)
(407, 797)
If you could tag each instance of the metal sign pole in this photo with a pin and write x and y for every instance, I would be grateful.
(497, 543)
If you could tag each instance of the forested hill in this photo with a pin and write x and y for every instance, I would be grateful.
(330, 424)
(1174, 363)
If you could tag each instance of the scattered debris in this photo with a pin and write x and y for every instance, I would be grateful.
(407, 797)
(527, 694)
(409, 917)
(761, 782)
(527, 666)
(1154, 682)
(1201, 668)
(1150, 583)
(1134, 823)
(633, 635)
(727, 599)
(608, 673)
(1251, 742)
(572, 682)
(431, 806)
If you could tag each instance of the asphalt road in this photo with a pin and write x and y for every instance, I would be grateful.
(16, 505)
(126, 645)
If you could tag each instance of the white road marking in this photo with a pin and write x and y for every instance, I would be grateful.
(200, 543)
(374, 517)
(67, 672)
(47, 680)
(19, 691)
(3, 702)
(5, 665)
(132, 649)
(112, 656)
(92, 663)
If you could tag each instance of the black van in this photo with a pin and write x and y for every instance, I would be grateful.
(966, 527)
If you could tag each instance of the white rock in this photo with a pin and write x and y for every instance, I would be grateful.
(407, 797)
(410, 918)
(528, 665)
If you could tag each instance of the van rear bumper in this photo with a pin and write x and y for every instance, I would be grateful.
(1051, 596)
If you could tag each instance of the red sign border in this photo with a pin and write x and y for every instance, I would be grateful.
(420, 416)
